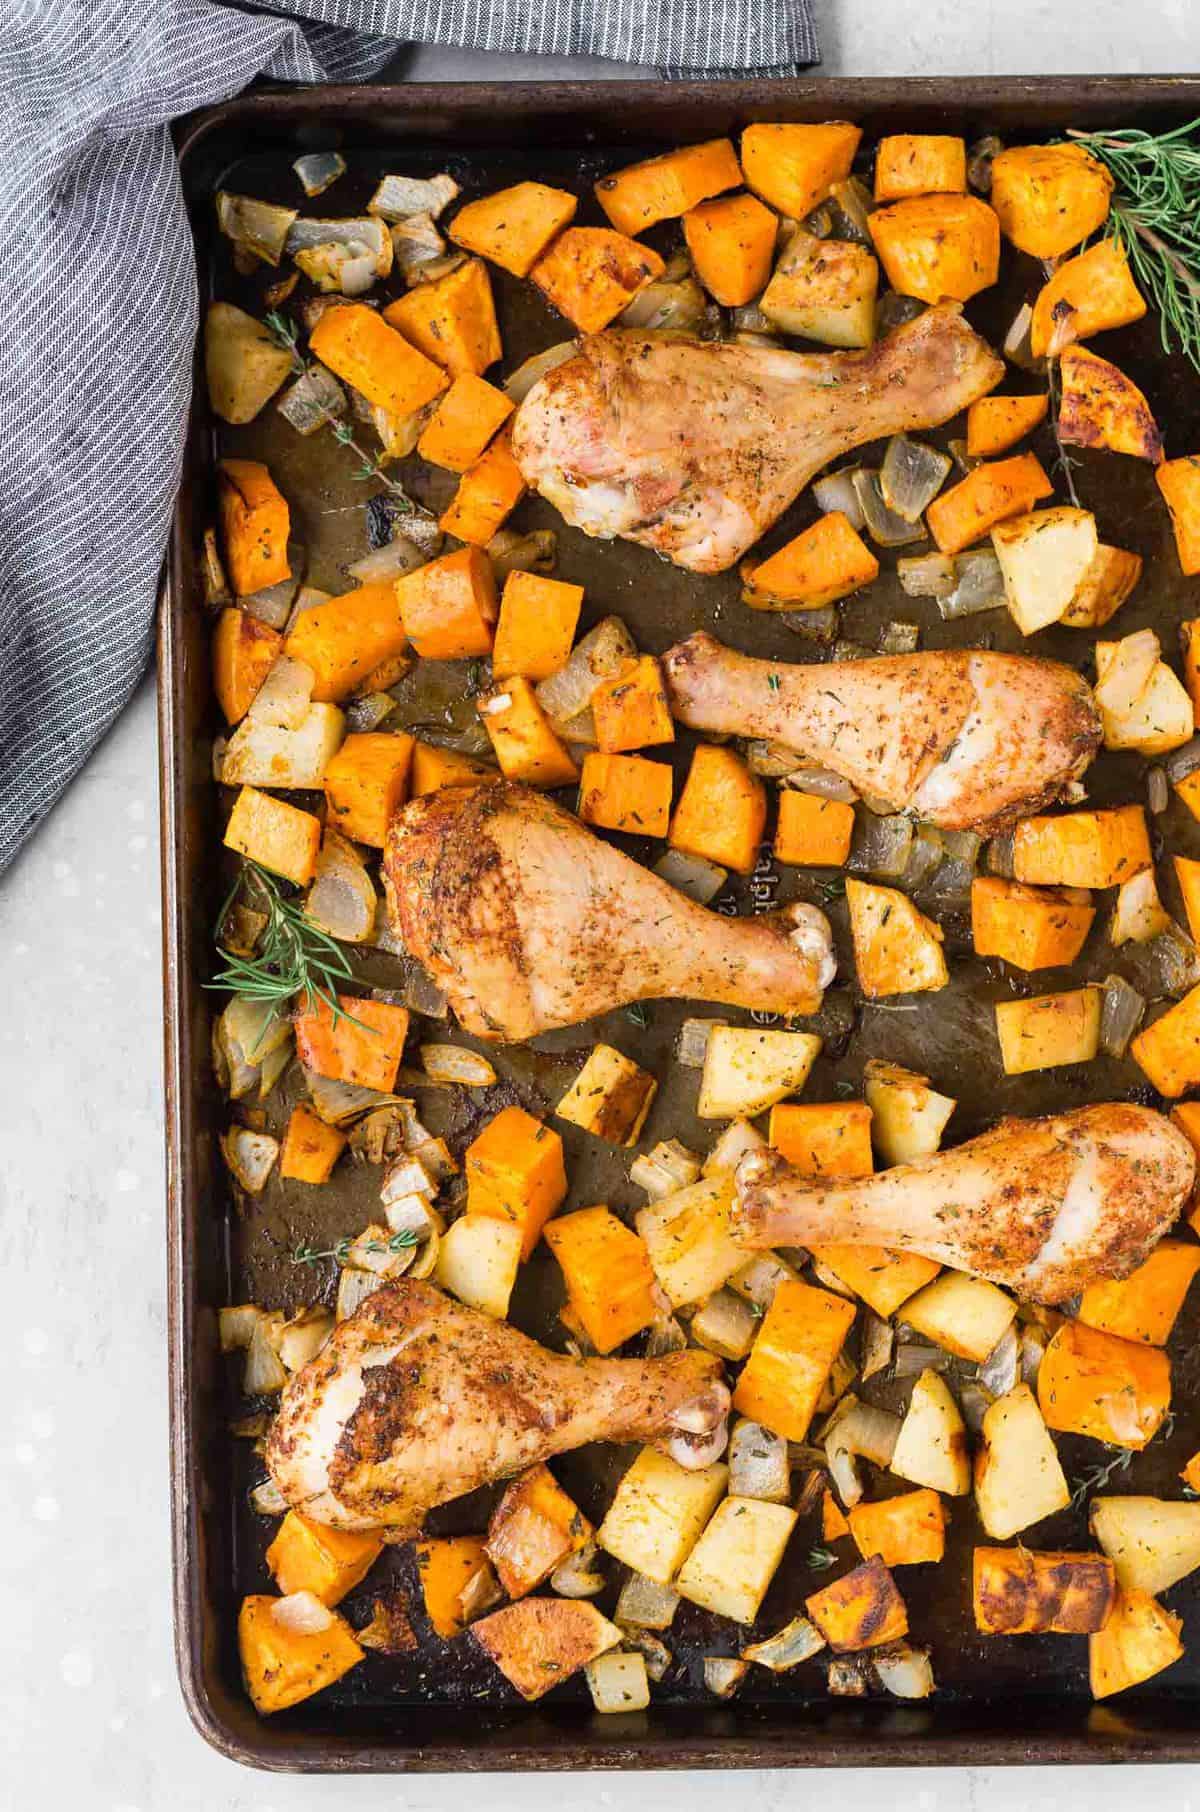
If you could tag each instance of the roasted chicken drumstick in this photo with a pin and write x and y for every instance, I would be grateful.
(964, 739)
(416, 1400)
(1044, 1206)
(526, 921)
(694, 448)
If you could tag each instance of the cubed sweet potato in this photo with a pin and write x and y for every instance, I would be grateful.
(970, 509)
(1139, 1639)
(824, 1140)
(904, 1531)
(996, 423)
(487, 495)
(1082, 849)
(514, 1170)
(313, 1557)
(937, 246)
(813, 832)
(626, 793)
(445, 1567)
(243, 653)
(1049, 198)
(538, 620)
(276, 835)
(631, 709)
(897, 950)
(362, 1046)
(366, 782)
(834, 1523)
(1020, 1593)
(861, 1610)
(360, 347)
(664, 187)
(1087, 295)
(1101, 407)
(310, 1148)
(590, 274)
(608, 1275)
(1092, 1383)
(452, 321)
(1187, 873)
(448, 607)
(346, 638)
(540, 1642)
(801, 1335)
(825, 562)
(513, 227)
(433, 768)
(532, 1530)
(793, 167)
(527, 747)
(924, 163)
(1030, 928)
(732, 243)
(255, 525)
(721, 811)
(1179, 482)
(282, 1664)
(883, 1277)
(1144, 1305)
(469, 414)
(1169, 1050)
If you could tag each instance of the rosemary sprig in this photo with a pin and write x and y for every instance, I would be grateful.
(313, 1255)
(821, 1559)
(1155, 216)
(285, 332)
(1099, 1476)
(294, 955)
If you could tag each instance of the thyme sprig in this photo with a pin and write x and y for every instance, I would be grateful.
(1155, 216)
(821, 1559)
(340, 1253)
(294, 955)
(1097, 1477)
(286, 334)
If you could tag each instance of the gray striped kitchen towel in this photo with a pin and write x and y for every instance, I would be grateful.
(96, 264)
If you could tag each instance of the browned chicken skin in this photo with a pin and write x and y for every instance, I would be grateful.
(1044, 1206)
(966, 740)
(416, 1400)
(527, 921)
(695, 448)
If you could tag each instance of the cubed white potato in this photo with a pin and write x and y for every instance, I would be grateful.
(1018, 1476)
(1151, 1541)
(909, 1115)
(1044, 558)
(688, 1237)
(731, 1566)
(266, 755)
(963, 1315)
(1049, 1030)
(477, 1262)
(931, 1448)
(747, 1070)
(824, 290)
(658, 1512)
(618, 1682)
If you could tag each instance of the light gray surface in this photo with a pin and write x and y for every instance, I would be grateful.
(93, 1718)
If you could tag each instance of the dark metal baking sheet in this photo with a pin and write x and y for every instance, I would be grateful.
(997, 1702)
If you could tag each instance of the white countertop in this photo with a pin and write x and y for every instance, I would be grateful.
(92, 1714)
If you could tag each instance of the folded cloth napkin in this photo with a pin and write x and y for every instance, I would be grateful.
(96, 263)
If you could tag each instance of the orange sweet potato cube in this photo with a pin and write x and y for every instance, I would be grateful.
(1169, 1050)
(861, 1610)
(833, 1518)
(1032, 928)
(826, 562)
(310, 1148)
(433, 768)
(313, 1557)
(243, 653)
(732, 243)
(813, 832)
(1179, 482)
(904, 1531)
(1049, 198)
(1144, 1305)
(538, 619)
(527, 746)
(366, 782)
(793, 167)
(255, 525)
(445, 1567)
(533, 1529)
(465, 420)
(607, 1271)
(347, 638)
(1082, 849)
(487, 495)
(664, 187)
(626, 793)
(283, 1665)
(452, 320)
(721, 811)
(514, 226)
(937, 247)
(590, 274)
(798, 1340)
(1090, 294)
(448, 607)
(1092, 1383)
(539, 1642)
(362, 1046)
(996, 423)
(631, 709)
(1019, 1593)
(1138, 1640)
(358, 345)
(990, 494)
(515, 1172)
(922, 163)
(824, 1140)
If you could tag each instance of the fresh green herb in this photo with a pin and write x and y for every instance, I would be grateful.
(294, 955)
(1155, 216)
(637, 1012)
(773, 681)
(1064, 462)
(833, 889)
(1099, 1476)
(821, 1559)
(843, 1090)
(312, 1255)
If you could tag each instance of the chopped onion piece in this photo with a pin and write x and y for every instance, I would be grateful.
(926, 855)
(725, 1325)
(847, 1678)
(883, 525)
(1176, 961)
(342, 899)
(256, 226)
(436, 268)
(723, 1674)
(250, 1156)
(319, 170)
(645, 1604)
(364, 1254)
(960, 853)
(400, 197)
(361, 233)
(1138, 915)
(852, 203)
(666, 307)
(881, 846)
(693, 1041)
(301, 1614)
(454, 1063)
(738, 1138)
(303, 1337)
(339, 270)
(979, 585)
(1121, 1011)
(813, 625)
(758, 1464)
(235, 1327)
(822, 782)
(759, 1278)
(797, 1641)
(389, 1631)
(654, 1652)
(1000, 856)
(284, 699)
(998, 1372)
(268, 1500)
(1033, 1349)
(974, 1401)
(907, 1673)
(980, 159)
(927, 575)
(480, 1593)
(1182, 761)
(264, 1373)
(669, 1167)
(354, 1287)
(836, 492)
(369, 713)
(819, 223)
(338, 1103)
(900, 638)
(750, 319)
(914, 1357)
(911, 476)
(532, 370)
(512, 552)
(770, 759)
(416, 244)
(309, 403)
(252, 1029)
(860, 1432)
(1158, 795)
(878, 1340)
(1018, 342)
(694, 876)
(273, 605)
(400, 556)
(892, 311)
(578, 1575)
(665, 1336)
(601, 654)
(212, 572)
